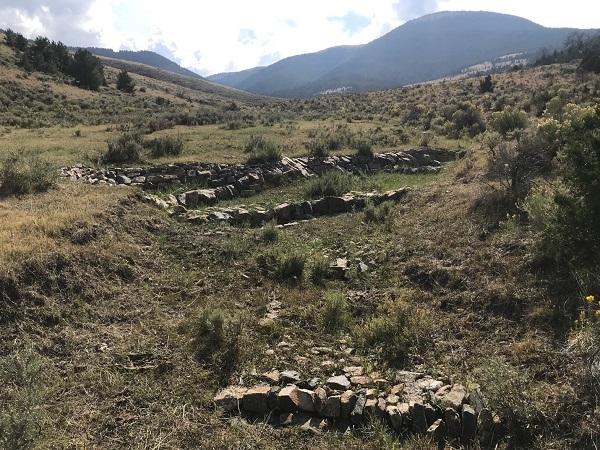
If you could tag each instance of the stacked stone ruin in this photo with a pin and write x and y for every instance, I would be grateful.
(412, 403)
(285, 214)
(225, 182)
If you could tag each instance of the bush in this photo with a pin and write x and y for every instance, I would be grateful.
(290, 268)
(21, 175)
(427, 138)
(378, 213)
(319, 271)
(508, 392)
(332, 184)
(262, 150)
(167, 145)
(217, 342)
(317, 148)
(515, 166)
(467, 119)
(509, 120)
(577, 225)
(283, 266)
(269, 233)
(336, 313)
(397, 330)
(363, 147)
(126, 148)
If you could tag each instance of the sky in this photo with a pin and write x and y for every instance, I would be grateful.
(229, 35)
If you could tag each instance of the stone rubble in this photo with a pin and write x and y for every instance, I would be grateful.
(417, 403)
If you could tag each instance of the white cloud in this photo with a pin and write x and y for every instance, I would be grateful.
(237, 34)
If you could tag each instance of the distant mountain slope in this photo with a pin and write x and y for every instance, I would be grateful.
(233, 78)
(197, 84)
(424, 49)
(145, 57)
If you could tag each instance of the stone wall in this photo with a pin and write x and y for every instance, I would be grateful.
(223, 182)
(283, 214)
(410, 403)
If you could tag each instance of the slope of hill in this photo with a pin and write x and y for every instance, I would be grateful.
(145, 57)
(197, 84)
(424, 49)
(234, 78)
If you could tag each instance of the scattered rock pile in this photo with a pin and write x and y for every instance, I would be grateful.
(228, 181)
(413, 402)
(283, 214)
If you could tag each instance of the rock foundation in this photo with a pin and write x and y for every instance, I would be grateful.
(284, 214)
(224, 182)
(410, 403)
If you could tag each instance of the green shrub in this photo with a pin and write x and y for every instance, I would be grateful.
(577, 224)
(397, 330)
(317, 147)
(290, 268)
(333, 183)
(167, 145)
(283, 266)
(126, 148)
(269, 233)
(427, 138)
(21, 175)
(336, 312)
(363, 147)
(217, 342)
(319, 271)
(378, 213)
(262, 150)
(508, 392)
(509, 120)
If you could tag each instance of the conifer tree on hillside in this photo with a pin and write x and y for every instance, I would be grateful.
(125, 83)
(87, 70)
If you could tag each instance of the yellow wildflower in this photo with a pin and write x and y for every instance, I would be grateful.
(590, 299)
(598, 314)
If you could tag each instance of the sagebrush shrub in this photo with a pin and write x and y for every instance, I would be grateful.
(509, 120)
(126, 148)
(378, 213)
(395, 331)
(166, 146)
(217, 341)
(336, 312)
(261, 150)
(20, 175)
(333, 183)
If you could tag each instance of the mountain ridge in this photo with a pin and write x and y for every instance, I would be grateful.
(423, 49)
(146, 57)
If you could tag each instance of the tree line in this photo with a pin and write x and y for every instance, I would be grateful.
(579, 46)
(54, 58)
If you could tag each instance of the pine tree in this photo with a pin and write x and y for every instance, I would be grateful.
(486, 85)
(125, 83)
(87, 70)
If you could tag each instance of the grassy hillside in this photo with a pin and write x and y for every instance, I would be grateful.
(110, 308)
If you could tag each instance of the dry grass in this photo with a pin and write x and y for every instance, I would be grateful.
(32, 226)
